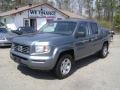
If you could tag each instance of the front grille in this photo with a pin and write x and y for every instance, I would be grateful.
(22, 48)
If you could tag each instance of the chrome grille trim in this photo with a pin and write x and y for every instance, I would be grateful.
(21, 48)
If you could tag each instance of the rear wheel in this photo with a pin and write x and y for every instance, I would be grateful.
(104, 52)
(64, 66)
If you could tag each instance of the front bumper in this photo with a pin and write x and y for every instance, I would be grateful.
(34, 62)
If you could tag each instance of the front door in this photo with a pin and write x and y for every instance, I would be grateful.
(82, 43)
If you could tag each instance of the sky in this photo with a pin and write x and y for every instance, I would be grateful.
(94, 3)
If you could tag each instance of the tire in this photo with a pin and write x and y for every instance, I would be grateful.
(64, 66)
(104, 51)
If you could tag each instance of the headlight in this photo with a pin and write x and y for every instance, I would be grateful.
(42, 47)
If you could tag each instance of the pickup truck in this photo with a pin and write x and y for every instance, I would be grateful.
(59, 44)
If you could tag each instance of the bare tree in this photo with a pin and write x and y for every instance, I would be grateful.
(89, 5)
(99, 8)
(59, 3)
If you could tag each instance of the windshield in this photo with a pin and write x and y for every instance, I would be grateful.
(59, 28)
(3, 30)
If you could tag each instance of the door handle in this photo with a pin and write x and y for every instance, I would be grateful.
(85, 41)
(93, 39)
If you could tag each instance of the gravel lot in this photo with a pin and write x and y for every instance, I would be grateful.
(91, 73)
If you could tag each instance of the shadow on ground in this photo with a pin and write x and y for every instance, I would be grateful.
(86, 61)
(48, 75)
(5, 47)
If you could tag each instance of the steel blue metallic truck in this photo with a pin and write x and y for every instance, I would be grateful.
(59, 44)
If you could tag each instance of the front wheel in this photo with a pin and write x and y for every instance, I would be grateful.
(104, 51)
(64, 66)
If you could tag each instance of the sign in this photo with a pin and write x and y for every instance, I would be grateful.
(41, 13)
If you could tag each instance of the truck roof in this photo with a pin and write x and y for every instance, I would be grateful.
(78, 20)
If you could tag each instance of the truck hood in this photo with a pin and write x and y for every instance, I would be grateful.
(52, 39)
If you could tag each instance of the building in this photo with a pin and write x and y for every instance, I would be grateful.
(34, 16)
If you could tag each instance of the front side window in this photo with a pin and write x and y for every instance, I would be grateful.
(82, 28)
(94, 28)
(59, 27)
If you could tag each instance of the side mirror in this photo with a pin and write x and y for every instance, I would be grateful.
(81, 32)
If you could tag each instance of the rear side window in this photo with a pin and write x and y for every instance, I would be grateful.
(94, 28)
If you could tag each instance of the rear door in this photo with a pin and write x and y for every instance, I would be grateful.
(94, 37)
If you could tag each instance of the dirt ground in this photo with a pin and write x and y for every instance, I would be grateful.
(91, 73)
